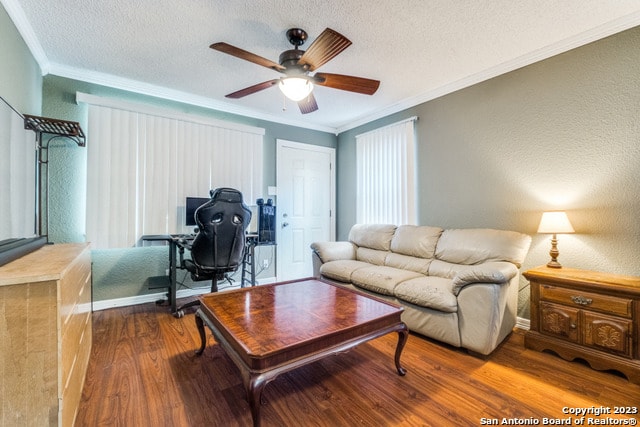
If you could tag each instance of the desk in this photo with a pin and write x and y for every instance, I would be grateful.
(177, 244)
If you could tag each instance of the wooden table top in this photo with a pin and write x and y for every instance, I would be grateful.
(272, 324)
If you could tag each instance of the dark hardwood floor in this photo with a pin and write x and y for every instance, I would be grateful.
(143, 372)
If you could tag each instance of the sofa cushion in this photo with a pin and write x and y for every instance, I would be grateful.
(429, 292)
(405, 262)
(372, 256)
(372, 236)
(381, 279)
(341, 270)
(478, 245)
(416, 240)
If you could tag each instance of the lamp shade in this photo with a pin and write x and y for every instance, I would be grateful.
(295, 88)
(555, 222)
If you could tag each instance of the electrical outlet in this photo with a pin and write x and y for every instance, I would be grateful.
(265, 263)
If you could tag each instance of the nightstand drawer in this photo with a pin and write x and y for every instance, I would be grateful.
(592, 301)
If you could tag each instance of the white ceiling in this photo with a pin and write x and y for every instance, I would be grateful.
(418, 49)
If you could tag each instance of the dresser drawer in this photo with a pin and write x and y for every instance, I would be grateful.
(75, 281)
(573, 298)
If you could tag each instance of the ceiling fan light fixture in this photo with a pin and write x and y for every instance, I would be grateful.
(295, 88)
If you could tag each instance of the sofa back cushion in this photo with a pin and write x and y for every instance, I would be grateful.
(477, 245)
(372, 256)
(413, 247)
(416, 240)
(406, 262)
(372, 236)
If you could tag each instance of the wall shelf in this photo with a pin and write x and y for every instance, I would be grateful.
(58, 127)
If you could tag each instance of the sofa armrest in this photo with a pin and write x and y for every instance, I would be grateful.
(332, 251)
(490, 272)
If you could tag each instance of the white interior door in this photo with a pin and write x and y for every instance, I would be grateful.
(306, 205)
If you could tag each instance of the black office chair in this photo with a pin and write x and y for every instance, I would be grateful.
(218, 247)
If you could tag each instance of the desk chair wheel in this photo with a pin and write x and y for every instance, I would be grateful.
(178, 314)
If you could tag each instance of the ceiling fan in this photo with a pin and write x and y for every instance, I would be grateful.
(296, 65)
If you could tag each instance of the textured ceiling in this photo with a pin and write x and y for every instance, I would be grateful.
(418, 49)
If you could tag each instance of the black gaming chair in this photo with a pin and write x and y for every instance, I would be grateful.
(218, 248)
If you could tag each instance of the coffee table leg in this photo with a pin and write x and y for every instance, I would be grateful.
(203, 336)
(254, 394)
(403, 334)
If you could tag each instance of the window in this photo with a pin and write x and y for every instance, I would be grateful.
(143, 165)
(386, 175)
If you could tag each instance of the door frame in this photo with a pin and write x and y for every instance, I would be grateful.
(282, 144)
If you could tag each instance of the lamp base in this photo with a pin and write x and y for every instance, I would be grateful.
(554, 264)
(554, 253)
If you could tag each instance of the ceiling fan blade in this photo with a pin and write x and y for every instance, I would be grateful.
(328, 44)
(349, 83)
(308, 104)
(247, 56)
(252, 89)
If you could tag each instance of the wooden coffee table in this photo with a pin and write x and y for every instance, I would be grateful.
(272, 329)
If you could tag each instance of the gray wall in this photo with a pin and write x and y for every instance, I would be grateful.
(563, 133)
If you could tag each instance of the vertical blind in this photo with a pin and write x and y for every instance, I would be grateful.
(386, 175)
(141, 168)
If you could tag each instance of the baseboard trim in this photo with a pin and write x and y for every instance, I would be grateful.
(522, 323)
(146, 298)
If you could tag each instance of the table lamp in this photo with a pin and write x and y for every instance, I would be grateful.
(554, 223)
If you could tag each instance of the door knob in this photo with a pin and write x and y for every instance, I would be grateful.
(285, 224)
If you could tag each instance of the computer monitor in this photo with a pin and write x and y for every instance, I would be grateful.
(191, 205)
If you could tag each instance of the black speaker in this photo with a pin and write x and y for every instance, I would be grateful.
(266, 223)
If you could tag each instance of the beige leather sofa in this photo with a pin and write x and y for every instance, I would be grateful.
(459, 286)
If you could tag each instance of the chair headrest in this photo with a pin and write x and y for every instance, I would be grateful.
(230, 195)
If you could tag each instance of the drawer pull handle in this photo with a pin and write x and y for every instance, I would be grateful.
(581, 300)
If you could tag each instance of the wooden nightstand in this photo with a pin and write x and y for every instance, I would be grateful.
(588, 315)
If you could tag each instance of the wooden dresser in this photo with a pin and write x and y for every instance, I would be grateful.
(45, 331)
(588, 315)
